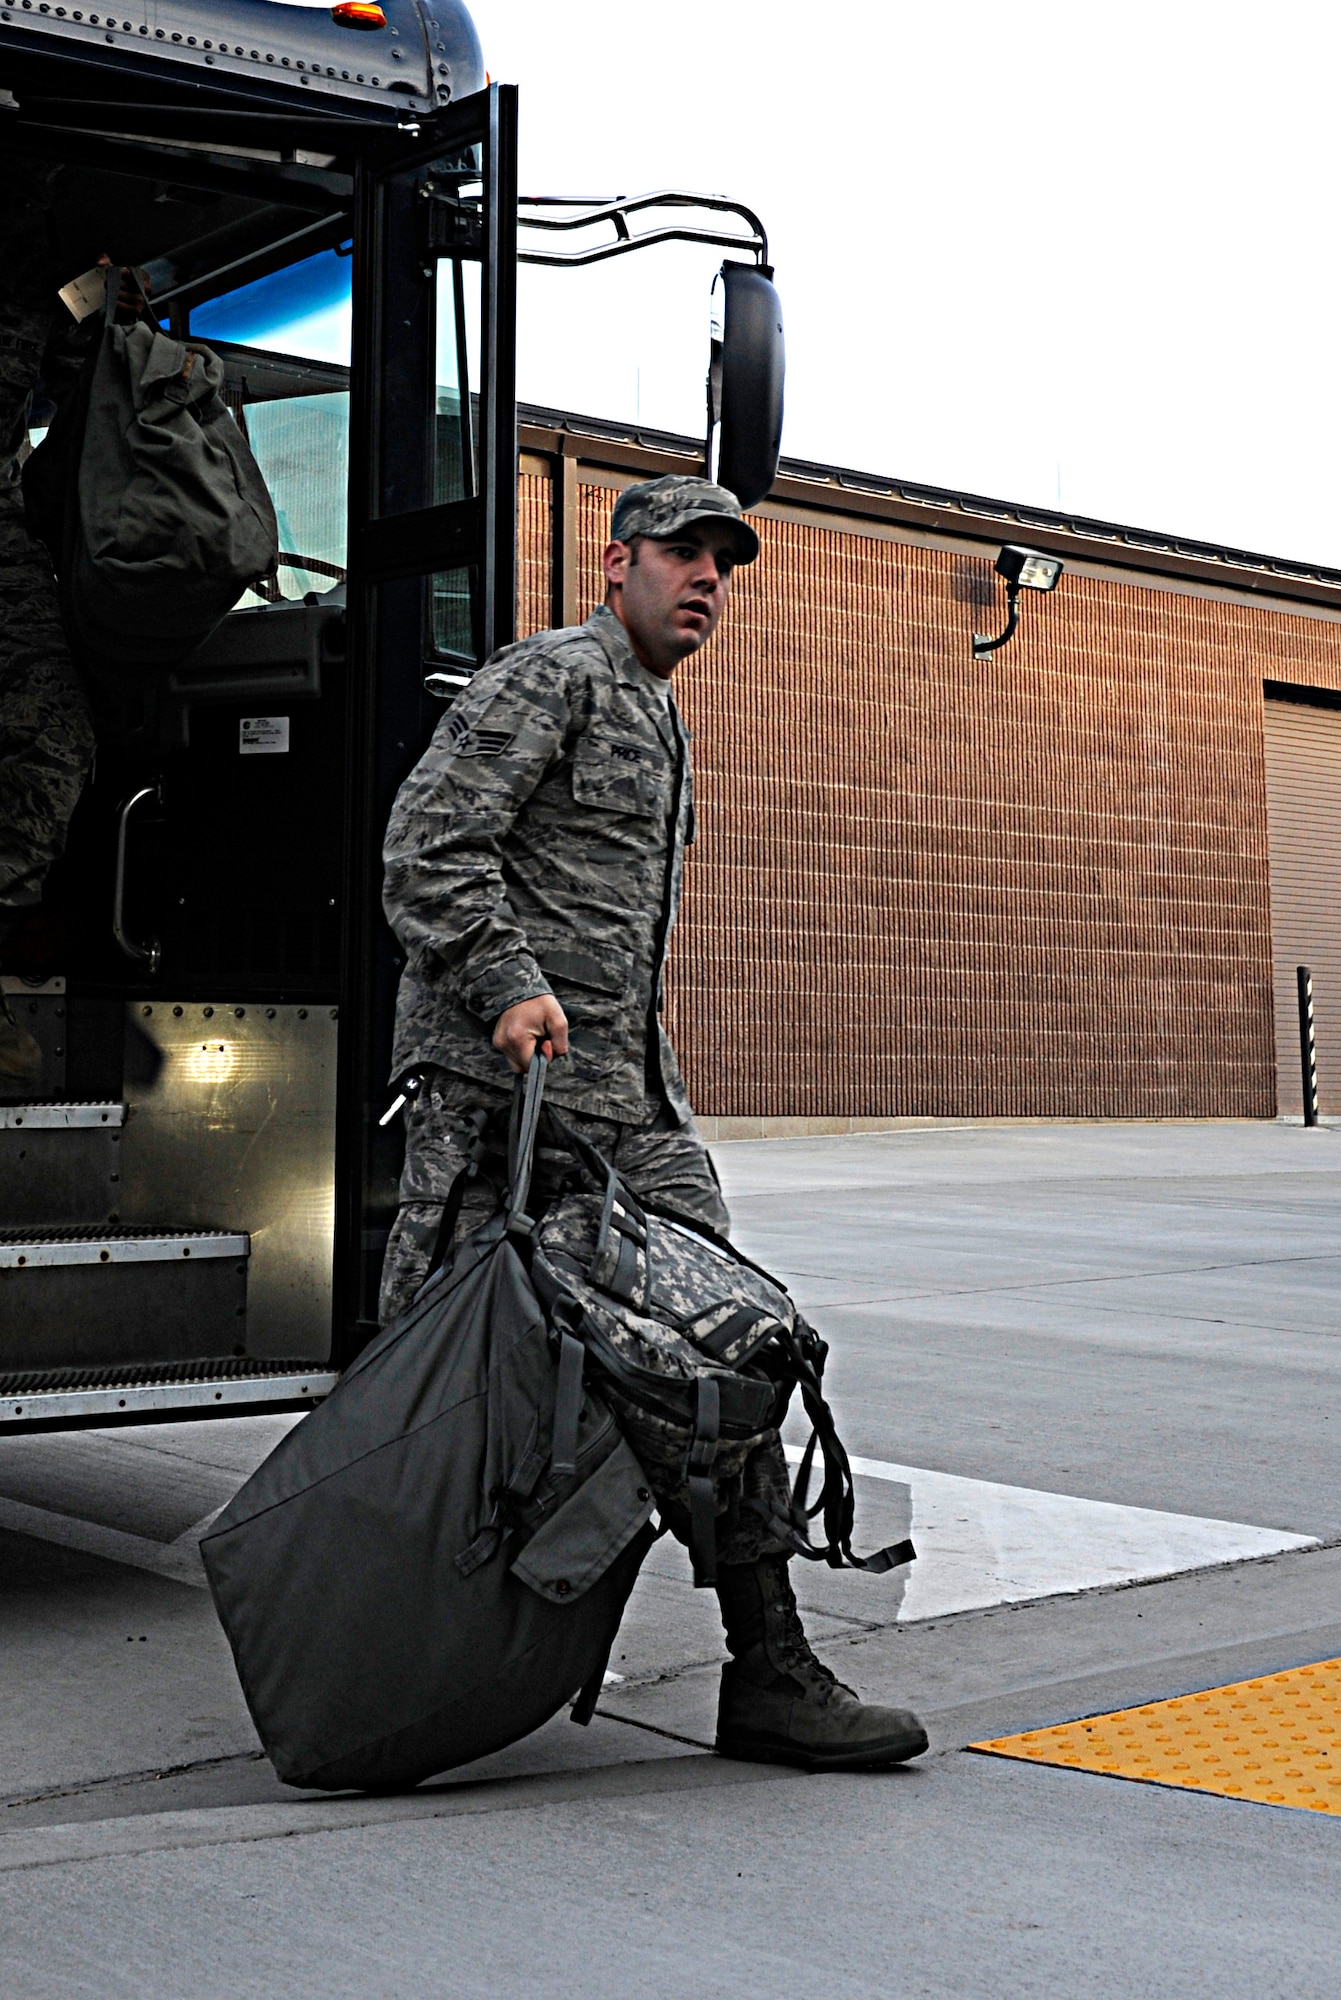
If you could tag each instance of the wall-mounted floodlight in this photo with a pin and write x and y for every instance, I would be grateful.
(1023, 569)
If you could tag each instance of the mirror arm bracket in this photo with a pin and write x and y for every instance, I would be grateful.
(616, 211)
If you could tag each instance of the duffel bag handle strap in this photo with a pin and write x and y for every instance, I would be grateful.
(528, 1095)
(119, 278)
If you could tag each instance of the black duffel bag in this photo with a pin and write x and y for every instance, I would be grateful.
(434, 1561)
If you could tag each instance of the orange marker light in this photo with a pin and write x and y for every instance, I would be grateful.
(358, 14)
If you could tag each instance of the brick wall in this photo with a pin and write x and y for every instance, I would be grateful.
(533, 553)
(924, 886)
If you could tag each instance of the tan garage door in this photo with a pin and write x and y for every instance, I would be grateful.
(1303, 771)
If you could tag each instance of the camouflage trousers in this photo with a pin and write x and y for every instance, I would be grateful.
(664, 1160)
(46, 734)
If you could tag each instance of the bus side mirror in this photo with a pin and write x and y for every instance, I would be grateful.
(745, 380)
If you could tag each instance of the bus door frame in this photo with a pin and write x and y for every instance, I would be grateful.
(398, 537)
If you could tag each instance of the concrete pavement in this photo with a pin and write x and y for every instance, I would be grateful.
(1144, 1317)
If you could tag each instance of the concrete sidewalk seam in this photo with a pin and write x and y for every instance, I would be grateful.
(224, 1826)
(1062, 1284)
(652, 1728)
(120, 1780)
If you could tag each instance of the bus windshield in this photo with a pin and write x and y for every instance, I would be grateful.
(295, 417)
(285, 341)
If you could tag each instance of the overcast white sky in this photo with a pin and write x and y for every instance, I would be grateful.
(1059, 254)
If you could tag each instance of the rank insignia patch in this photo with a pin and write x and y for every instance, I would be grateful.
(468, 742)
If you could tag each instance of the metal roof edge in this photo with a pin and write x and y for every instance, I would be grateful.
(942, 510)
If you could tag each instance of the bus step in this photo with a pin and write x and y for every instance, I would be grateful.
(40, 1011)
(60, 1164)
(71, 1298)
(37, 1399)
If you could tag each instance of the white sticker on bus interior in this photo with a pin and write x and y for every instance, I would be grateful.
(263, 735)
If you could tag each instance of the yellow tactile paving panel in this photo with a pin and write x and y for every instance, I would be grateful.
(1276, 1740)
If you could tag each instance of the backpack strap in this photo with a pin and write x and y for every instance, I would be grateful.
(644, 1205)
(584, 1707)
(456, 1194)
(702, 1498)
(746, 1328)
(614, 1265)
(567, 1403)
(837, 1499)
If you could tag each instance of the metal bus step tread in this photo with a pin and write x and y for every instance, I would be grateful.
(46, 1249)
(96, 1397)
(223, 1368)
(52, 1116)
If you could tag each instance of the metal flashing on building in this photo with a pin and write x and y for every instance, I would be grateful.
(943, 510)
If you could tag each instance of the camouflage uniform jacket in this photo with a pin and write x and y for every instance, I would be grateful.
(46, 733)
(538, 847)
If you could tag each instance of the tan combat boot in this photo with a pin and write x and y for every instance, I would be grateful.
(779, 1704)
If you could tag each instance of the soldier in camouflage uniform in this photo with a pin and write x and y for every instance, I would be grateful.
(533, 869)
(46, 735)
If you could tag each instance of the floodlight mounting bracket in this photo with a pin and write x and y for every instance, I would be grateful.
(982, 643)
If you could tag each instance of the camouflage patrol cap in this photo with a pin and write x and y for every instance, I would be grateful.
(661, 507)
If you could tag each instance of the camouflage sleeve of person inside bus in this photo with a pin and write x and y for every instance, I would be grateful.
(445, 895)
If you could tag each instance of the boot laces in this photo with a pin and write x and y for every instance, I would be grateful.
(791, 1649)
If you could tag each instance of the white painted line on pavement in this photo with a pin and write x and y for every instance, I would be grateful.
(980, 1543)
(178, 1560)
